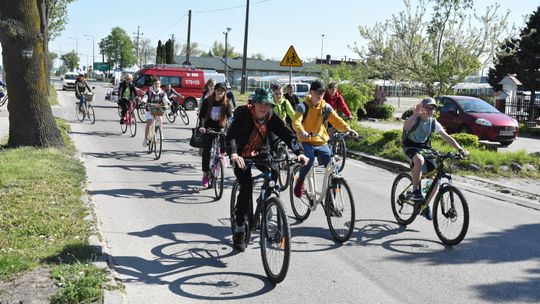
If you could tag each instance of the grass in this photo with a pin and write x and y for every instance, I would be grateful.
(79, 282)
(388, 145)
(42, 217)
(53, 100)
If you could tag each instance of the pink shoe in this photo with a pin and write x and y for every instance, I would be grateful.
(205, 181)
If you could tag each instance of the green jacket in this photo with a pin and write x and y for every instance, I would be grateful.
(283, 108)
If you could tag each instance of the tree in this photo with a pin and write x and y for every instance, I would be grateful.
(159, 53)
(169, 52)
(218, 49)
(51, 57)
(31, 122)
(147, 50)
(70, 60)
(118, 48)
(194, 49)
(259, 56)
(437, 53)
(505, 63)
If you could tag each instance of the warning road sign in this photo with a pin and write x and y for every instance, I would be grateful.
(291, 59)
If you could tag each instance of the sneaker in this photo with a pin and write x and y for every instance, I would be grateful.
(205, 181)
(121, 121)
(239, 241)
(145, 142)
(427, 213)
(299, 188)
(416, 196)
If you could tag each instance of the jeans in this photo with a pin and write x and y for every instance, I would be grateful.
(82, 101)
(323, 153)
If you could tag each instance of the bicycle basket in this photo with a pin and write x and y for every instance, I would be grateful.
(89, 96)
(157, 110)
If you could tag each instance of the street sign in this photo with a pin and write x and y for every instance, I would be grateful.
(291, 59)
(102, 66)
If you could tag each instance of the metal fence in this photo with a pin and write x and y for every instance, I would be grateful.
(520, 108)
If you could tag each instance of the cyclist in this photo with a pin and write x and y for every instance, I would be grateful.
(309, 119)
(170, 94)
(80, 88)
(230, 94)
(216, 110)
(126, 92)
(334, 98)
(290, 96)
(247, 138)
(283, 108)
(157, 101)
(416, 134)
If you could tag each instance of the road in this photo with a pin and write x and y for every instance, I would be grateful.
(170, 242)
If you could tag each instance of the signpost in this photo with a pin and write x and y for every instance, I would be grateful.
(291, 59)
(102, 66)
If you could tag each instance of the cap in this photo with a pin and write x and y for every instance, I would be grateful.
(317, 86)
(220, 85)
(428, 101)
(263, 96)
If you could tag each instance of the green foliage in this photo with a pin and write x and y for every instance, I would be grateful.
(70, 60)
(466, 140)
(384, 111)
(218, 50)
(406, 114)
(118, 48)
(356, 96)
(58, 17)
(79, 283)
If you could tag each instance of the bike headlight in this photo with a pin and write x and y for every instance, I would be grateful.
(483, 122)
(271, 184)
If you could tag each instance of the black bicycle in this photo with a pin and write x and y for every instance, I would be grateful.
(216, 175)
(177, 110)
(271, 220)
(339, 149)
(450, 208)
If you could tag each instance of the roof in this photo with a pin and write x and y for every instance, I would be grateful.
(512, 78)
(218, 63)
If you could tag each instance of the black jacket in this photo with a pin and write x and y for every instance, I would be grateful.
(243, 124)
(122, 87)
(203, 114)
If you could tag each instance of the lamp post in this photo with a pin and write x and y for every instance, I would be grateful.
(322, 47)
(225, 55)
(93, 48)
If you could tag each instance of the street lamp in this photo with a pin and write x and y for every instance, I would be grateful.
(225, 55)
(322, 47)
(93, 45)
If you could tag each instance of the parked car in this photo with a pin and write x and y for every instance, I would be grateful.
(464, 114)
(69, 80)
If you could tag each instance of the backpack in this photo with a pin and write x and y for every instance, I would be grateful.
(304, 109)
(405, 134)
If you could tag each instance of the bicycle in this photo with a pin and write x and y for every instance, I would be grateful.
(335, 197)
(130, 120)
(141, 111)
(446, 210)
(216, 176)
(280, 152)
(338, 148)
(177, 109)
(271, 220)
(86, 110)
(155, 135)
(4, 99)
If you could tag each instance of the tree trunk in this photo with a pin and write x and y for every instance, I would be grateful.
(31, 122)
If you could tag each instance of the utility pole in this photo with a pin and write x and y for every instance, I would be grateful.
(188, 39)
(244, 60)
(322, 46)
(225, 55)
(139, 34)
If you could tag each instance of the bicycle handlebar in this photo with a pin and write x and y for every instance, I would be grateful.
(447, 155)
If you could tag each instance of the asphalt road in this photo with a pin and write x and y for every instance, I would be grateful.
(170, 241)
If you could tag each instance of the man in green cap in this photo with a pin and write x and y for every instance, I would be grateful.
(247, 136)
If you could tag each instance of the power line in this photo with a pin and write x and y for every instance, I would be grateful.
(228, 8)
(180, 19)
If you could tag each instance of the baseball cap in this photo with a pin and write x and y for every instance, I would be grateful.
(428, 101)
(220, 85)
(263, 96)
(317, 86)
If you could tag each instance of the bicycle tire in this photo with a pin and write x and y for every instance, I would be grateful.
(158, 142)
(284, 168)
(339, 150)
(91, 114)
(449, 216)
(275, 239)
(218, 177)
(183, 115)
(339, 214)
(120, 111)
(403, 209)
(141, 113)
(170, 116)
(150, 146)
(80, 115)
(232, 206)
(3, 100)
(124, 127)
(300, 206)
(133, 125)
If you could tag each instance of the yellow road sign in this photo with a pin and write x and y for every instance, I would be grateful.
(291, 59)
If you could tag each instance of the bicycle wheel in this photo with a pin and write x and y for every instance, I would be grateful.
(158, 142)
(3, 100)
(141, 112)
(183, 114)
(275, 237)
(133, 125)
(340, 212)
(218, 178)
(403, 208)
(170, 116)
(450, 215)
(80, 113)
(91, 114)
(300, 205)
(339, 150)
(120, 111)
(284, 168)
(124, 126)
(232, 209)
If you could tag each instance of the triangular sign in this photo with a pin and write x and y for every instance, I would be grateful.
(291, 59)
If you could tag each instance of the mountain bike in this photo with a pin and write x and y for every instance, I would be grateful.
(450, 208)
(338, 147)
(155, 135)
(215, 176)
(271, 220)
(129, 119)
(335, 196)
(177, 110)
(86, 110)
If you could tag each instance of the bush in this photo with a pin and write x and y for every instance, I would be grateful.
(467, 140)
(385, 111)
(356, 96)
(408, 113)
(392, 135)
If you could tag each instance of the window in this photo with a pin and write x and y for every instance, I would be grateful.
(143, 80)
(302, 88)
(172, 80)
(449, 106)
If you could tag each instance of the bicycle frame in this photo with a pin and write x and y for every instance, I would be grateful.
(130, 111)
(311, 183)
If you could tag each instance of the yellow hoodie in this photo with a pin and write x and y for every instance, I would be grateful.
(313, 122)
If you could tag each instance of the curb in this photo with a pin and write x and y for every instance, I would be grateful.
(495, 191)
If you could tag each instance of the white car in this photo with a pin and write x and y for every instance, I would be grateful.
(69, 80)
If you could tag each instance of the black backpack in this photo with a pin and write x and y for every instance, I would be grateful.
(405, 134)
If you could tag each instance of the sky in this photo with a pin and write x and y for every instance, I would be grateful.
(274, 25)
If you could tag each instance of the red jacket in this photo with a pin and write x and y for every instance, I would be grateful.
(338, 103)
